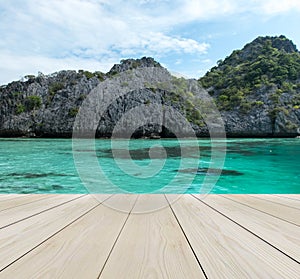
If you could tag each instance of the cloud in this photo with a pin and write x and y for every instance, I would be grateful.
(207, 9)
(43, 34)
(195, 9)
(21, 65)
(270, 7)
(157, 44)
(62, 34)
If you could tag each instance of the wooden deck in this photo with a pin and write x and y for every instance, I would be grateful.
(217, 236)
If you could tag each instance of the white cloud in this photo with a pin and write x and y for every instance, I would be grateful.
(270, 7)
(157, 44)
(51, 35)
(203, 9)
(21, 65)
(195, 9)
(47, 32)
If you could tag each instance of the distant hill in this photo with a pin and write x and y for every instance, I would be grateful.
(256, 89)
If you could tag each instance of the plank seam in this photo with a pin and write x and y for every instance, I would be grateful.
(288, 197)
(35, 214)
(273, 202)
(9, 198)
(261, 211)
(116, 240)
(57, 232)
(39, 199)
(190, 245)
(246, 229)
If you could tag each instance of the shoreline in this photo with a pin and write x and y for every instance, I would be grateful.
(229, 136)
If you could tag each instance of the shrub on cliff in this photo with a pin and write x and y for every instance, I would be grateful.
(33, 102)
(265, 62)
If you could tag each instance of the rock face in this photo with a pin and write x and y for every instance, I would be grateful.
(46, 106)
(43, 106)
(256, 89)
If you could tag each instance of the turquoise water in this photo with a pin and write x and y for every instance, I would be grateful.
(48, 166)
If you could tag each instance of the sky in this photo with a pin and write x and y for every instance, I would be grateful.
(186, 36)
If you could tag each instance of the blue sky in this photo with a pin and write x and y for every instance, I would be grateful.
(186, 36)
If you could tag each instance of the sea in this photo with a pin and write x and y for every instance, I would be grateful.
(169, 166)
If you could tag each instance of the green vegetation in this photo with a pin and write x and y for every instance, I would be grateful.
(134, 65)
(20, 108)
(114, 73)
(99, 75)
(89, 75)
(81, 97)
(147, 102)
(73, 111)
(54, 88)
(124, 84)
(258, 103)
(296, 100)
(17, 93)
(32, 103)
(30, 77)
(273, 113)
(180, 85)
(263, 64)
(291, 126)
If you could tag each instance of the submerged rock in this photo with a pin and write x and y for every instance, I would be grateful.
(57, 187)
(36, 175)
(150, 153)
(210, 171)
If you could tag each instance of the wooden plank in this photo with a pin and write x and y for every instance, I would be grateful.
(152, 246)
(283, 235)
(226, 250)
(78, 251)
(100, 198)
(289, 196)
(150, 203)
(279, 200)
(280, 211)
(14, 202)
(18, 239)
(16, 214)
(121, 202)
(4, 197)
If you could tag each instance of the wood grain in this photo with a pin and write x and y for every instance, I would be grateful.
(16, 214)
(279, 200)
(14, 202)
(79, 251)
(283, 235)
(152, 246)
(4, 197)
(121, 202)
(129, 236)
(281, 211)
(289, 196)
(23, 236)
(226, 250)
(149, 203)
